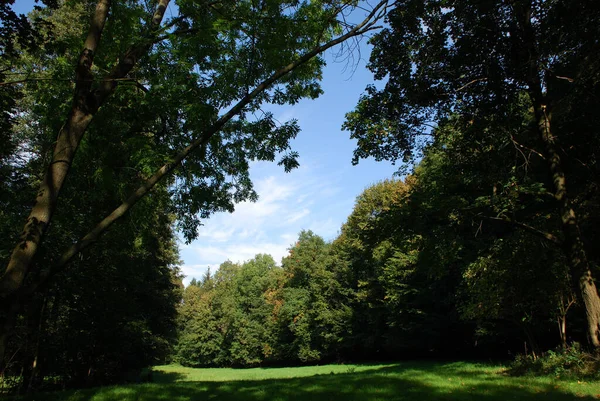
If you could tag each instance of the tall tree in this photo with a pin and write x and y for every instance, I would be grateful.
(476, 59)
(314, 316)
(489, 227)
(216, 55)
(199, 340)
(227, 321)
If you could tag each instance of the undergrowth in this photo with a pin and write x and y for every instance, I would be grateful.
(569, 362)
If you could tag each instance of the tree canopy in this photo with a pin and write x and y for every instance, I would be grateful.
(484, 64)
(142, 107)
(485, 249)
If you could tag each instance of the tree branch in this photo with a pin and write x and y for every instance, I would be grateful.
(515, 143)
(548, 236)
(166, 169)
(22, 81)
(131, 56)
(66, 146)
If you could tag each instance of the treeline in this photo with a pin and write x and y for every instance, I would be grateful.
(257, 312)
(460, 259)
(488, 248)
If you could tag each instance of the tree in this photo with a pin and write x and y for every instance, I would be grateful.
(16, 32)
(249, 339)
(314, 315)
(199, 339)
(217, 55)
(118, 310)
(363, 240)
(404, 295)
(115, 316)
(227, 321)
(258, 313)
(445, 261)
(476, 59)
(477, 225)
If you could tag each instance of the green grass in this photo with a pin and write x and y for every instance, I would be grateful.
(418, 381)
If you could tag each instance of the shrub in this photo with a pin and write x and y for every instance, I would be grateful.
(569, 362)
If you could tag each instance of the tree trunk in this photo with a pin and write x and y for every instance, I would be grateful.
(86, 102)
(564, 307)
(69, 137)
(562, 330)
(573, 245)
(574, 248)
(34, 379)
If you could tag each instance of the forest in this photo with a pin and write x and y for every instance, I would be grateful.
(124, 127)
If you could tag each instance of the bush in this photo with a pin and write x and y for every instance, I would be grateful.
(570, 362)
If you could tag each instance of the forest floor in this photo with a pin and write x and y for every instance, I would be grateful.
(406, 381)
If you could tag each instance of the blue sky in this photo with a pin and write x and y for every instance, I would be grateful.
(317, 196)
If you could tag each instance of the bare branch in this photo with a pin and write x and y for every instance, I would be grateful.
(471, 83)
(74, 80)
(548, 236)
(565, 78)
(526, 148)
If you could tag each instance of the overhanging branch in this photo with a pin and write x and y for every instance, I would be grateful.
(546, 235)
(166, 169)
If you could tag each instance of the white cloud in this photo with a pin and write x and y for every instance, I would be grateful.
(297, 215)
(215, 234)
(286, 114)
(191, 271)
(286, 205)
(327, 229)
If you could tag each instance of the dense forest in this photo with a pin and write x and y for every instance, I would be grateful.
(146, 124)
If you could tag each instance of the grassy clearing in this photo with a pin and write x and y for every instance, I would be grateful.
(418, 381)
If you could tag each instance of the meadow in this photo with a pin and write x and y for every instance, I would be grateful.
(407, 381)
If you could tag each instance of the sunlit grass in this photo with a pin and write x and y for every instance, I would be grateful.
(228, 374)
(418, 381)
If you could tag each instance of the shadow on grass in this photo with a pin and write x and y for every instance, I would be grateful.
(168, 377)
(404, 382)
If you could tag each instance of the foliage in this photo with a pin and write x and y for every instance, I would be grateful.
(314, 315)
(381, 250)
(471, 231)
(468, 86)
(418, 269)
(259, 313)
(224, 320)
(443, 262)
(459, 57)
(437, 264)
(115, 316)
(571, 362)
(150, 95)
